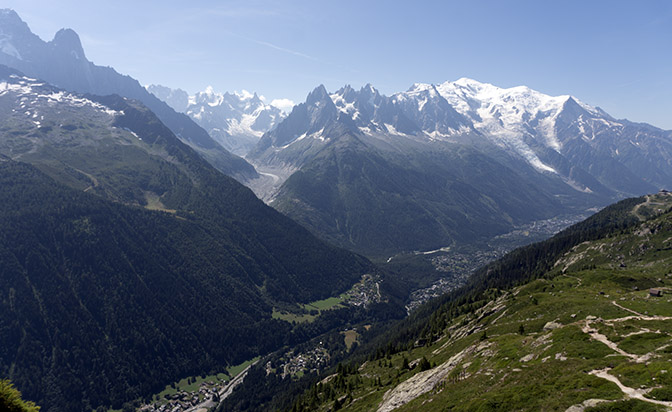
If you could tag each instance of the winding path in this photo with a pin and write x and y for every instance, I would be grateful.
(604, 373)
(627, 391)
(574, 277)
(649, 202)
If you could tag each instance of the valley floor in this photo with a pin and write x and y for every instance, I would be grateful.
(456, 266)
(199, 394)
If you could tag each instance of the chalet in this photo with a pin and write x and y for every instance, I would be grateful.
(655, 292)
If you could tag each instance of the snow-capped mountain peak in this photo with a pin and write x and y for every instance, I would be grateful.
(206, 97)
(536, 127)
(419, 88)
(358, 105)
(515, 117)
(517, 99)
(235, 120)
(369, 87)
(421, 93)
(344, 100)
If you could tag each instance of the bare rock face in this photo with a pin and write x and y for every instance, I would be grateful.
(424, 382)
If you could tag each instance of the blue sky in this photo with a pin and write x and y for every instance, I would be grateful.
(613, 54)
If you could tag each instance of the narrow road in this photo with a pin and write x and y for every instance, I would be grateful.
(224, 392)
(635, 210)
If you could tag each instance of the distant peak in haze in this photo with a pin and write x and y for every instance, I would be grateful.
(236, 120)
(180, 99)
(216, 98)
(66, 40)
(15, 34)
(209, 90)
(9, 18)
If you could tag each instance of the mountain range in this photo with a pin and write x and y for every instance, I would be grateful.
(438, 160)
(549, 133)
(63, 63)
(235, 120)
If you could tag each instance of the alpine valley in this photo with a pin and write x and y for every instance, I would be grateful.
(128, 262)
(166, 251)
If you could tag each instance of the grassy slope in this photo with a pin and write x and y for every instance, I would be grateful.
(484, 361)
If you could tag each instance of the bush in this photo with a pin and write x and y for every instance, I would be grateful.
(10, 399)
(624, 406)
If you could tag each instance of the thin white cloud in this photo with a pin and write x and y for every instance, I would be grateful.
(240, 12)
(244, 94)
(282, 49)
(283, 104)
(276, 47)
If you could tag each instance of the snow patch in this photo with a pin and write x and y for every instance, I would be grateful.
(392, 130)
(26, 87)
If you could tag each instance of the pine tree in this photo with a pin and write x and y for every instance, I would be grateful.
(424, 364)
